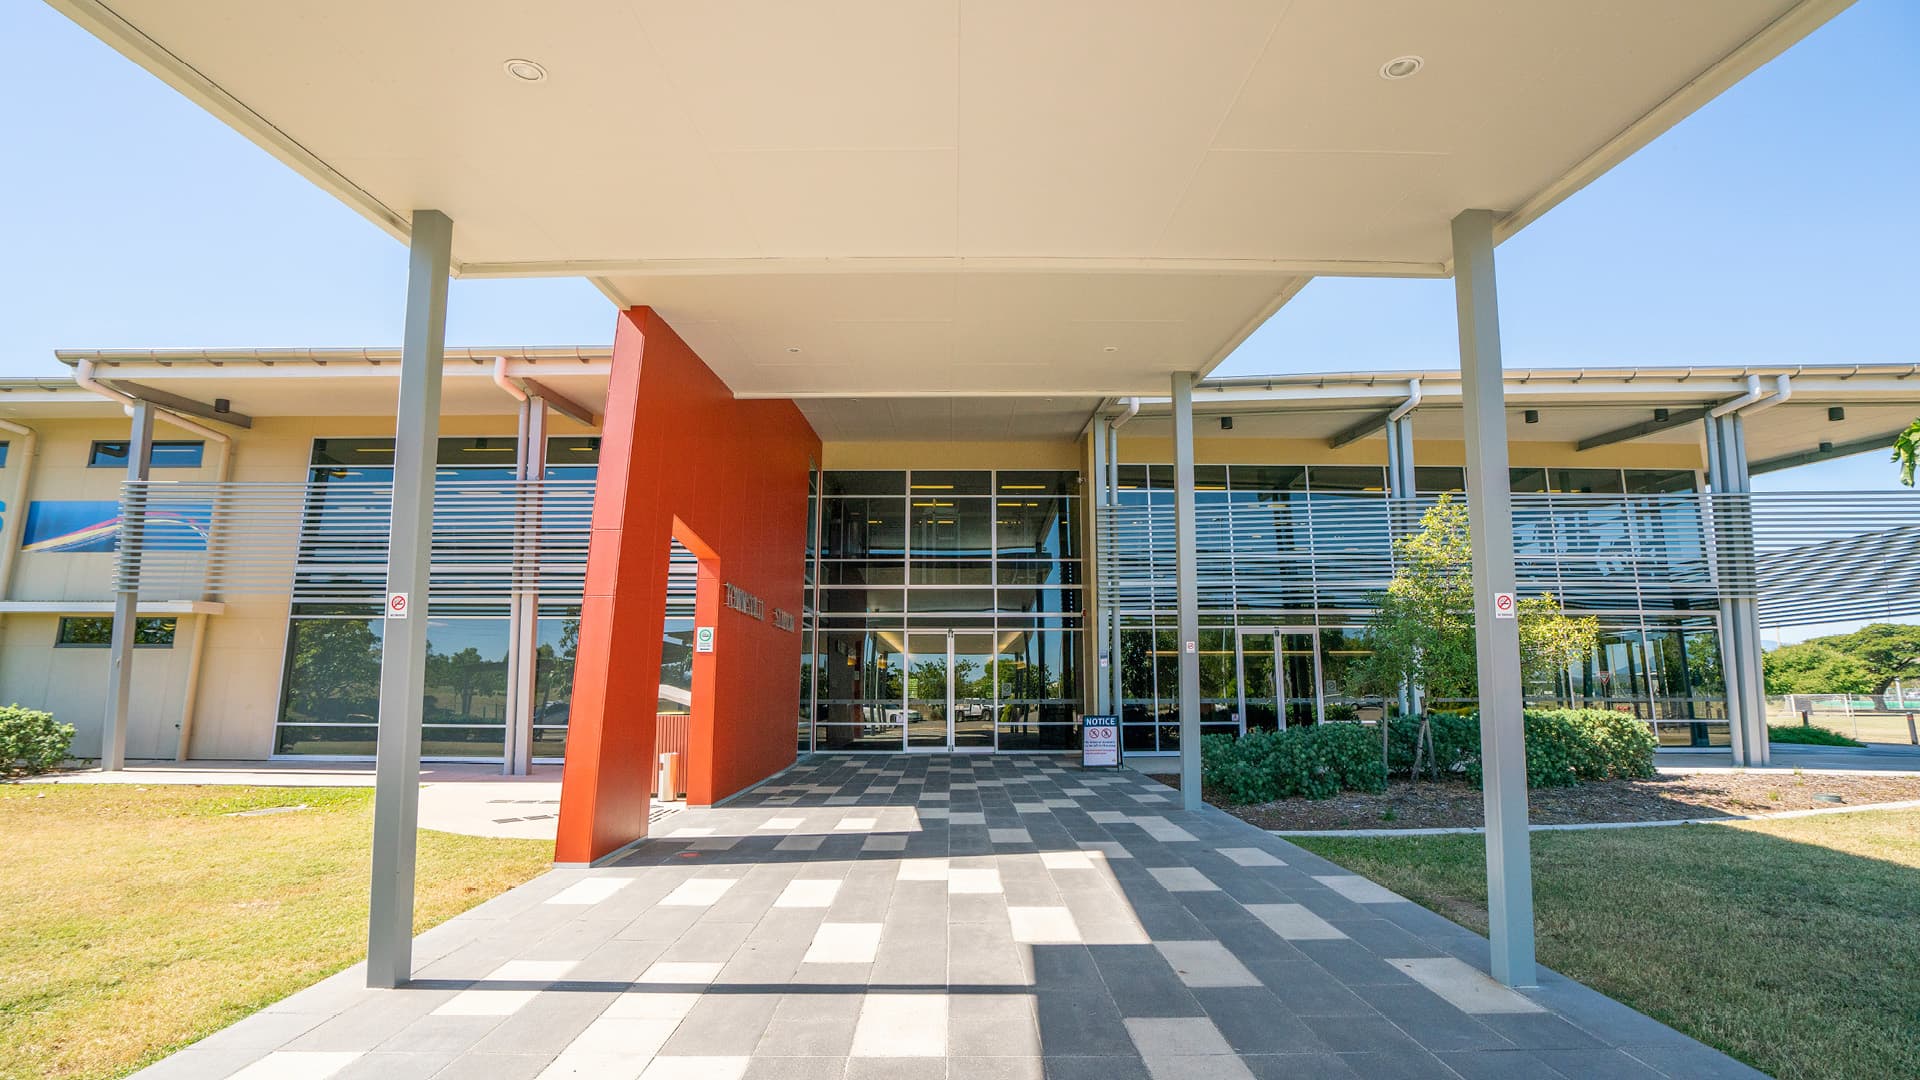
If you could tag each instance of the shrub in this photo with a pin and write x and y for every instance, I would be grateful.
(1564, 746)
(1810, 736)
(1315, 762)
(30, 741)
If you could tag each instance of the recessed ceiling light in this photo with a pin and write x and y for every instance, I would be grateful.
(526, 71)
(1402, 67)
(1110, 348)
(793, 348)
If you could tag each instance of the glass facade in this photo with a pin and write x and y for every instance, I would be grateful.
(947, 611)
(330, 690)
(1280, 634)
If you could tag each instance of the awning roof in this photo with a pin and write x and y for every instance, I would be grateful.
(952, 195)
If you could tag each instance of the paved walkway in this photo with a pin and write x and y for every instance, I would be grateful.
(993, 917)
(454, 797)
(1789, 757)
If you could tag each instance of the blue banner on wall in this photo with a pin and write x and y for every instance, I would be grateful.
(77, 526)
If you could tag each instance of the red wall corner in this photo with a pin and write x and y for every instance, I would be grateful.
(680, 456)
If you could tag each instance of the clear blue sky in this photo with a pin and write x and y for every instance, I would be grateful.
(1778, 225)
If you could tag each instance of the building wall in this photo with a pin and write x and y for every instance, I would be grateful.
(238, 696)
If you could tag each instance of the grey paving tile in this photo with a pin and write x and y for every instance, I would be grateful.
(1600, 1064)
(1253, 1021)
(448, 1035)
(797, 1068)
(478, 1066)
(195, 1063)
(1694, 1062)
(1109, 1067)
(385, 1065)
(1500, 1065)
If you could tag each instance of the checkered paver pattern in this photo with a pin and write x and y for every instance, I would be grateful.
(1007, 917)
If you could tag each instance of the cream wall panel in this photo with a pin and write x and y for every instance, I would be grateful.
(71, 683)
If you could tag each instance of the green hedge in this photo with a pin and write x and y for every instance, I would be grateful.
(1314, 762)
(1564, 747)
(30, 741)
(1809, 735)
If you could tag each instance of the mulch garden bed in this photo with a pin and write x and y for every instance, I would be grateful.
(1426, 804)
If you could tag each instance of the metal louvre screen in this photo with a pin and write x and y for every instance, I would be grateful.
(326, 542)
(1805, 557)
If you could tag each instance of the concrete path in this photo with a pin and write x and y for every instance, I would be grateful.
(954, 917)
(1787, 757)
(471, 799)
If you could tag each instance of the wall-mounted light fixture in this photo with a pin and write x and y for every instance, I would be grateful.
(1531, 416)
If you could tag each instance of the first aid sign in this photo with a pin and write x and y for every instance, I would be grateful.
(396, 605)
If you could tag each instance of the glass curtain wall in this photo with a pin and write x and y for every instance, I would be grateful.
(330, 689)
(1292, 614)
(948, 605)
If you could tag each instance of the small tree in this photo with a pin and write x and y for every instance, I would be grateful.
(1421, 631)
(1815, 668)
(1906, 451)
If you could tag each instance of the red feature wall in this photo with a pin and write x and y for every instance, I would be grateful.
(680, 458)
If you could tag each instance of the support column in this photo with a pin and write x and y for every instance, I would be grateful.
(1113, 499)
(1103, 605)
(1400, 519)
(126, 596)
(1503, 750)
(523, 602)
(403, 651)
(1739, 608)
(1400, 484)
(1186, 590)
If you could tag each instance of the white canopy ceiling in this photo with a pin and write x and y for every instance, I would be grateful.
(970, 196)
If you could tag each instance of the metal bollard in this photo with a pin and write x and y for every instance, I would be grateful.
(1913, 734)
(1805, 718)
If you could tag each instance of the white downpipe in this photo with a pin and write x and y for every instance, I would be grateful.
(516, 751)
(1753, 394)
(1782, 390)
(1132, 410)
(1413, 402)
(501, 380)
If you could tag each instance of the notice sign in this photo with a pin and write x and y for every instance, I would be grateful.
(396, 605)
(1100, 741)
(1503, 607)
(703, 639)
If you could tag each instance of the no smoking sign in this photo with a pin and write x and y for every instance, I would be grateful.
(1503, 607)
(396, 605)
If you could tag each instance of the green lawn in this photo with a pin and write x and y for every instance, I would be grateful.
(1793, 945)
(135, 920)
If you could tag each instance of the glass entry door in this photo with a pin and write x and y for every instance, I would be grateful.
(1259, 681)
(1279, 680)
(1299, 670)
(950, 683)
